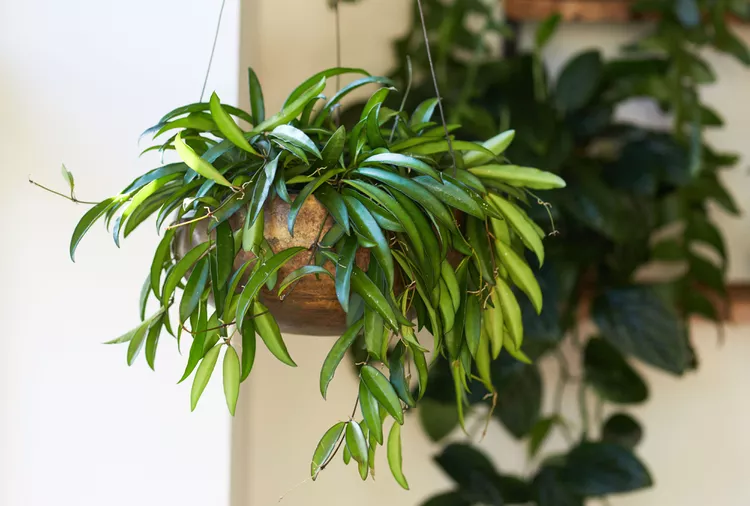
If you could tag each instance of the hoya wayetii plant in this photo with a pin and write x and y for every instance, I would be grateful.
(421, 231)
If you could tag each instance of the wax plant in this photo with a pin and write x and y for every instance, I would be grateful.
(441, 222)
(636, 195)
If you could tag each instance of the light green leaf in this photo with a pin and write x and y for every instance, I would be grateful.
(197, 163)
(203, 375)
(228, 127)
(395, 460)
(325, 448)
(231, 378)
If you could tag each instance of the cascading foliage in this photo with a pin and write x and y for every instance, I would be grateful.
(446, 242)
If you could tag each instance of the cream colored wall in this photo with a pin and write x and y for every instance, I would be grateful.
(80, 80)
(696, 442)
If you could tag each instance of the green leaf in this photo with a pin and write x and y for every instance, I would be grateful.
(334, 357)
(549, 490)
(545, 30)
(256, 98)
(344, 269)
(326, 447)
(423, 112)
(611, 376)
(599, 469)
(438, 419)
(637, 321)
(194, 289)
(726, 41)
(622, 429)
(516, 175)
(262, 187)
(180, 269)
(198, 164)
(356, 442)
(371, 412)
(268, 330)
(196, 121)
(539, 433)
(326, 74)
(68, 176)
(305, 270)
(249, 346)
(203, 375)
(334, 148)
(382, 390)
(228, 127)
(399, 160)
(334, 203)
(395, 460)
(345, 91)
(519, 397)
(152, 341)
(413, 191)
(452, 195)
(373, 297)
(231, 378)
(296, 137)
(465, 465)
(391, 204)
(496, 145)
(578, 81)
(136, 343)
(367, 226)
(199, 324)
(521, 224)
(300, 199)
(397, 370)
(292, 109)
(88, 219)
(265, 269)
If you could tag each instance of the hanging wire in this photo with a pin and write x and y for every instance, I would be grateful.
(435, 83)
(213, 49)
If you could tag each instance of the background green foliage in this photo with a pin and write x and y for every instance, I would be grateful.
(635, 195)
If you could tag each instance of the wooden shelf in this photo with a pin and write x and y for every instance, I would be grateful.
(588, 11)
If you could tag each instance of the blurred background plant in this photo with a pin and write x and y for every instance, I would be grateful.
(637, 198)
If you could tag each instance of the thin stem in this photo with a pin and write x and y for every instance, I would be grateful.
(584, 408)
(72, 199)
(437, 87)
(213, 49)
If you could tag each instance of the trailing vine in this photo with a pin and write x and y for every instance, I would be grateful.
(636, 195)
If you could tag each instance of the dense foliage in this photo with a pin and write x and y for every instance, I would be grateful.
(636, 195)
(395, 186)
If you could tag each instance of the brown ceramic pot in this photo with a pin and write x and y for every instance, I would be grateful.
(311, 308)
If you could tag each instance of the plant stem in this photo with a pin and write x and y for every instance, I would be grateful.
(435, 84)
(403, 100)
(72, 199)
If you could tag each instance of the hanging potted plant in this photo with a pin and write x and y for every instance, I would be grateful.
(373, 232)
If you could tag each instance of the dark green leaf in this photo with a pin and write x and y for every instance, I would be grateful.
(622, 429)
(334, 357)
(268, 330)
(256, 98)
(546, 29)
(334, 203)
(519, 397)
(367, 226)
(599, 469)
(261, 188)
(397, 369)
(258, 278)
(611, 376)
(249, 345)
(371, 413)
(194, 289)
(579, 81)
(438, 419)
(88, 219)
(638, 322)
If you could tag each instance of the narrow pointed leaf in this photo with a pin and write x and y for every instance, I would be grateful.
(383, 391)
(203, 375)
(334, 357)
(231, 376)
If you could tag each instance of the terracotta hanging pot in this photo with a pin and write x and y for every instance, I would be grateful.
(311, 308)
